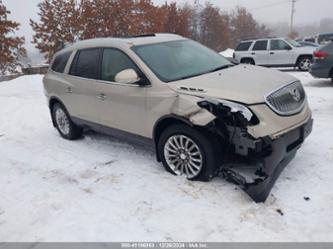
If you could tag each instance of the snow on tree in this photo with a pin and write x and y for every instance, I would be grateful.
(11, 46)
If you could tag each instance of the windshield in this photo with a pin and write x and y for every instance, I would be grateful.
(294, 43)
(176, 60)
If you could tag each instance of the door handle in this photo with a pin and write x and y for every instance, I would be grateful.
(69, 90)
(272, 53)
(253, 53)
(101, 96)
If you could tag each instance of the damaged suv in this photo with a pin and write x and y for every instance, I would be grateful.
(204, 115)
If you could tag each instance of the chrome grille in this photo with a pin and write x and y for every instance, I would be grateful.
(288, 100)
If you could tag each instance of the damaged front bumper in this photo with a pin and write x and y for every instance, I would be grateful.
(258, 162)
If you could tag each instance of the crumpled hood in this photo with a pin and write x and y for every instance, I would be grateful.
(243, 83)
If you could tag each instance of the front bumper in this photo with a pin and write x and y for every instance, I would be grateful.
(267, 159)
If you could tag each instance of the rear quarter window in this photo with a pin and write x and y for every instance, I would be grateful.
(60, 62)
(243, 46)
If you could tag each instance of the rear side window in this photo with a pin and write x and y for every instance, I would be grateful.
(60, 62)
(86, 63)
(115, 61)
(260, 45)
(244, 46)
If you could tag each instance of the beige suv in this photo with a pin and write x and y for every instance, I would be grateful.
(204, 115)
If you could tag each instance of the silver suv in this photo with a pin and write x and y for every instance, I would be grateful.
(204, 115)
(275, 52)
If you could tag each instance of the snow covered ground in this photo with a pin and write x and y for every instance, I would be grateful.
(228, 53)
(101, 189)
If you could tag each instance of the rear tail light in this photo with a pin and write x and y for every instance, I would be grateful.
(320, 55)
(234, 55)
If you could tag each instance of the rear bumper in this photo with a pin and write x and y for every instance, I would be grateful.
(320, 70)
(268, 158)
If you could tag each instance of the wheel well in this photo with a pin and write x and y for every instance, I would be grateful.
(247, 58)
(331, 72)
(52, 102)
(302, 56)
(164, 123)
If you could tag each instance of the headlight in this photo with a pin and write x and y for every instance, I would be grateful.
(228, 108)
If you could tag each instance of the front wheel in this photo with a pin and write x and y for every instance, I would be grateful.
(64, 124)
(186, 151)
(305, 63)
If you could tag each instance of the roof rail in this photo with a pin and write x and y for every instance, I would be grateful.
(259, 38)
(143, 35)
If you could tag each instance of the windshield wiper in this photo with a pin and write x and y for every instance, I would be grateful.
(211, 71)
(221, 68)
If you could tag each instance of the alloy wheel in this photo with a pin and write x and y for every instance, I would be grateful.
(62, 121)
(305, 64)
(183, 156)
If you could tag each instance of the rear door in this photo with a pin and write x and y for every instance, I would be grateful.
(84, 72)
(260, 52)
(121, 106)
(280, 53)
(242, 50)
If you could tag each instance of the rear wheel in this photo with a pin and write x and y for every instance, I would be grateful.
(304, 63)
(186, 151)
(64, 124)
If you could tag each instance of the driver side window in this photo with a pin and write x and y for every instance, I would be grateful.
(279, 45)
(115, 61)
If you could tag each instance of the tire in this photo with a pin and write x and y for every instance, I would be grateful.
(180, 160)
(247, 61)
(65, 126)
(304, 63)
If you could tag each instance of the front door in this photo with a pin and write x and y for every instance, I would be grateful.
(280, 53)
(121, 106)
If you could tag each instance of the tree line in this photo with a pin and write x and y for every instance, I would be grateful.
(65, 21)
(11, 46)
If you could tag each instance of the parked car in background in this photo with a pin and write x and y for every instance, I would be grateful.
(323, 62)
(275, 52)
(325, 38)
(309, 44)
(203, 114)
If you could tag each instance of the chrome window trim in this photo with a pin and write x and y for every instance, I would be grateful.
(290, 113)
(106, 82)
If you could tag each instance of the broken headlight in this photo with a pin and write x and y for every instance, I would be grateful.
(235, 113)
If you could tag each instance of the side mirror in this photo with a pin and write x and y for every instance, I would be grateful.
(127, 76)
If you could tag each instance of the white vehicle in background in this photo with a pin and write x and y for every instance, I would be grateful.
(275, 52)
(320, 39)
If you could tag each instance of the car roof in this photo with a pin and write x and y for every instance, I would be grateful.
(122, 42)
(264, 38)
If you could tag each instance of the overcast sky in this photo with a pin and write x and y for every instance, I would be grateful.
(266, 11)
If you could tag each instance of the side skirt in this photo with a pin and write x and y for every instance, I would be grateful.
(119, 134)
